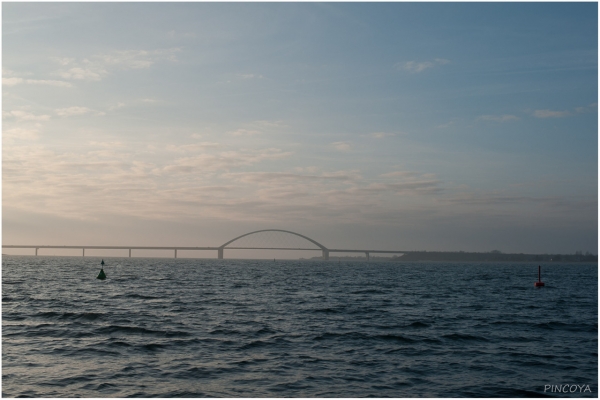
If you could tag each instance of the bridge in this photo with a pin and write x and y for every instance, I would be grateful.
(221, 249)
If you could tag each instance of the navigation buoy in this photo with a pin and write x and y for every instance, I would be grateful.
(539, 283)
(101, 275)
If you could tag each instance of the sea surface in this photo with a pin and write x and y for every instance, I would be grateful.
(251, 328)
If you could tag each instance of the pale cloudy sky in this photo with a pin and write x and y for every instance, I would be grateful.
(417, 126)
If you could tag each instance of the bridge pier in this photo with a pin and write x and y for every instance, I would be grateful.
(367, 254)
(325, 254)
(36, 249)
(129, 253)
(220, 255)
(83, 252)
(175, 253)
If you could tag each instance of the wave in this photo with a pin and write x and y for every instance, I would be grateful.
(558, 325)
(369, 291)
(277, 342)
(152, 346)
(465, 337)
(328, 310)
(418, 324)
(111, 329)
(364, 337)
(142, 296)
(394, 338)
(90, 316)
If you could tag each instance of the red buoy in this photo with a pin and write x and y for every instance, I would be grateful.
(539, 283)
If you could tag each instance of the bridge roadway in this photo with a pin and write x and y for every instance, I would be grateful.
(219, 249)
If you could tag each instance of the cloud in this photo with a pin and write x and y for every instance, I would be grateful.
(380, 135)
(20, 134)
(259, 127)
(137, 59)
(107, 145)
(293, 178)
(223, 161)
(550, 114)
(79, 73)
(590, 108)
(245, 132)
(447, 124)
(420, 66)
(12, 81)
(408, 181)
(329, 195)
(267, 126)
(108, 178)
(293, 194)
(342, 146)
(116, 106)
(561, 114)
(98, 66)
(59, 182)
(48, 82)
(426, 186)
(73, 111)
(193, 147)
(402, 174)
(499, 118)
(63, 60)
(7, 72)
(25, 116)
(310, 169)
(270, 124)
(16, 81)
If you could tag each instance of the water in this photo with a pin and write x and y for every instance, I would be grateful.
(232, 328)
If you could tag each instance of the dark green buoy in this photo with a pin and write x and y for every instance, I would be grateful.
(101, 275)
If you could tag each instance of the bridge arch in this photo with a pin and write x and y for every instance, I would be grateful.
(324, 249)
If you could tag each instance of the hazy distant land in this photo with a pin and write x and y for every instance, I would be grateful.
(494, 255)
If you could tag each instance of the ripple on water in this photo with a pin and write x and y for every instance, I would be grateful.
(230, 328)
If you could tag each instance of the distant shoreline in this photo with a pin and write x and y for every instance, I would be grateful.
(463, 256)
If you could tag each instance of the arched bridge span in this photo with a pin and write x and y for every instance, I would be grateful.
(324, 249)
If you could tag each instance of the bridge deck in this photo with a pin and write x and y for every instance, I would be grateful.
(30, 246)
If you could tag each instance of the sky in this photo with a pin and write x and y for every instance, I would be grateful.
(399, 126)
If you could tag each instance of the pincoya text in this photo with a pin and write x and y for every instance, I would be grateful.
(567, 388)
